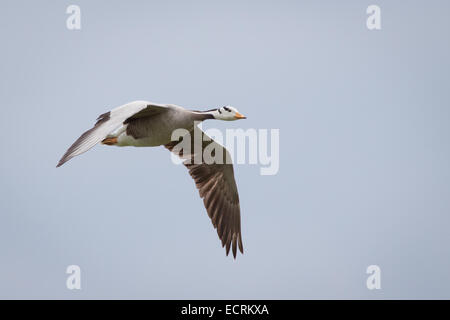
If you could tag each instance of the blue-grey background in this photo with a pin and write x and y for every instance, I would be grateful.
(364, 149)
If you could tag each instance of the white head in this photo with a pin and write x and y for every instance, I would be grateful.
(227, 113)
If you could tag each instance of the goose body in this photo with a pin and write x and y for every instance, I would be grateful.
(147, 124)
(156, 130)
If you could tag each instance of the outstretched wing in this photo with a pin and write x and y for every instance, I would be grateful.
(217, 187)
(107, 123)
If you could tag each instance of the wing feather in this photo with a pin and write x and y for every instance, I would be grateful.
(217, 186)
(107, 123)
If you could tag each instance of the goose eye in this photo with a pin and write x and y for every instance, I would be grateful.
(227, 109)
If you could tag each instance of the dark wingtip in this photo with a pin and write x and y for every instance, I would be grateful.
(61, 162)
(240, 245)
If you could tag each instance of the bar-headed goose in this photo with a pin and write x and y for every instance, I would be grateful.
(147, 124)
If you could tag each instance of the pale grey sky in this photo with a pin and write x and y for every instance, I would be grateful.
(364, 149)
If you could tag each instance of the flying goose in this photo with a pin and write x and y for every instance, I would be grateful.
(147, 124)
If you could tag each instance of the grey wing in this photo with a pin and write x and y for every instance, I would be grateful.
(217, 187)
(107, 123)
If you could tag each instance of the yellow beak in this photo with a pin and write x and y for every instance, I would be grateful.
(240, 116)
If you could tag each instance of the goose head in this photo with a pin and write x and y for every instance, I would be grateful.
(227, 113)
